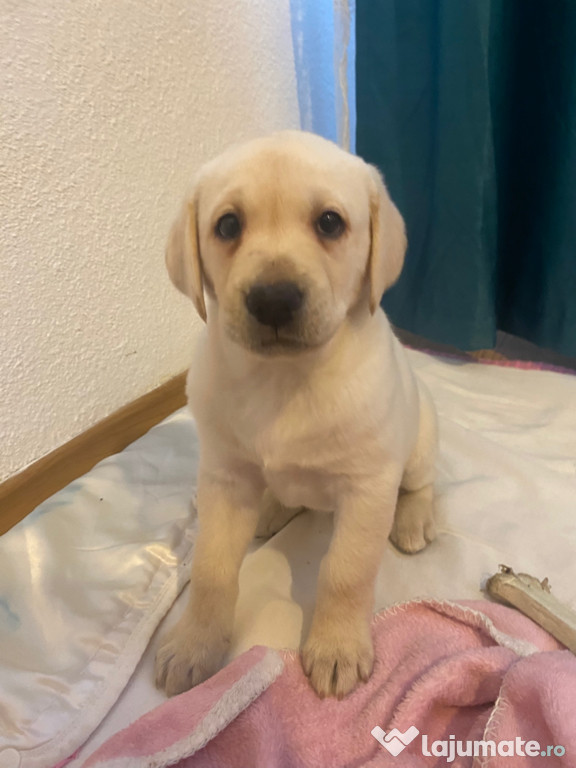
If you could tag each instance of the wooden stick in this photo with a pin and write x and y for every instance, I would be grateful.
(536, 601)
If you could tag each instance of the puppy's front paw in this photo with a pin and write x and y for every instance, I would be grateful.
(189, 655)
(335, 662)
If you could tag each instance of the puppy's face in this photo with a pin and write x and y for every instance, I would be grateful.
(279, 234)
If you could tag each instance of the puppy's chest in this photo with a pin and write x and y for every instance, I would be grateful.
(280, 434)
(304, 442)
(301, 459)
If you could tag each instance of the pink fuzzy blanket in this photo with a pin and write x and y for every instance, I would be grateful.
(467, 684)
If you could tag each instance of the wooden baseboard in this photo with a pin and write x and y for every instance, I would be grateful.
(22, 493)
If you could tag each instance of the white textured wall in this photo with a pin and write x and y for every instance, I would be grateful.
(106, 109)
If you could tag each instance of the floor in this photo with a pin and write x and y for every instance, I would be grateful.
(507, 347)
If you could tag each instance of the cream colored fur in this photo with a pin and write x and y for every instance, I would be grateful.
(326, 414)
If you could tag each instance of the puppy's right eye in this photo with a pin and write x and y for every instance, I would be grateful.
(228, 227)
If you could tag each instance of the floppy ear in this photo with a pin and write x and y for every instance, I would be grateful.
(387, 240)
(183, 257)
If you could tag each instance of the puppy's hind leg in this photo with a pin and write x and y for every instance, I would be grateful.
(414, 525)
(273, 515)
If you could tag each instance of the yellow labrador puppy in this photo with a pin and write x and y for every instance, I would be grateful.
(302, 395)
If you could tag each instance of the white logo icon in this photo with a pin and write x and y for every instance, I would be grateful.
(395, 741)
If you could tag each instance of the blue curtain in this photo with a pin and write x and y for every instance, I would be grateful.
(323, 38)
(469, 109)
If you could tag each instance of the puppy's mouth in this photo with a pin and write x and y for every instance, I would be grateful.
(279, 343)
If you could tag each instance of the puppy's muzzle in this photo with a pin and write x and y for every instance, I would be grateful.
(274, 304)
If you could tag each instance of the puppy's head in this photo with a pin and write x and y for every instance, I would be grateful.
(286, 235)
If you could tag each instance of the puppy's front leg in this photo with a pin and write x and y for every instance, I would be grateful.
(339, 651)
(228, 509)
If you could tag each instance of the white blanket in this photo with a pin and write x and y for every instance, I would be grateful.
(85, 580)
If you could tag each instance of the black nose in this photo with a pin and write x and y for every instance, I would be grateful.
(274, 303)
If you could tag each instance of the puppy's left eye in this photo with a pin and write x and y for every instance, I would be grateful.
(330, 224)
(228, 227)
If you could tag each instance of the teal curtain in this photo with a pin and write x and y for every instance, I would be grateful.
(469, 109)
